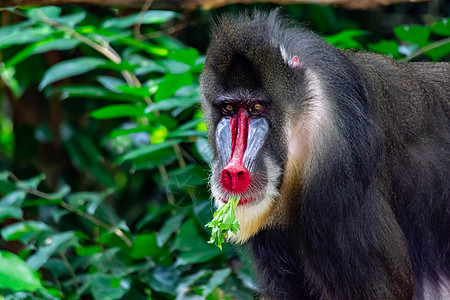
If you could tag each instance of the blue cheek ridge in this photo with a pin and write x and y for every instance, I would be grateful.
(257, 133)
(223, 140)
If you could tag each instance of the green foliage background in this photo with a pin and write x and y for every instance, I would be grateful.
(104, 156)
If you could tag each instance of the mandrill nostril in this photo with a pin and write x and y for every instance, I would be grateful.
(226, 179)
(227, 176)
(235, 179)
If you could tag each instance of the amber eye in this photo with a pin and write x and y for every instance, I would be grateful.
(257, 107)
(228, 108)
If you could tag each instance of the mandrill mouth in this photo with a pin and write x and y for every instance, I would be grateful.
(245, 200)
(252, 195)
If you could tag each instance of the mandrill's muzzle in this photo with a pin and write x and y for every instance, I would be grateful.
(239, 141)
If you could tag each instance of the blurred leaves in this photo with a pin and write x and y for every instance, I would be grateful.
(417, 35)
(131, 135)
(413, 41)
(346, 39)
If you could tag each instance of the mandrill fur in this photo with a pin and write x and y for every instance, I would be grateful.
(341, 160)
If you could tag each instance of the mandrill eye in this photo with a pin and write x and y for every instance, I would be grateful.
(228, 109)
(256, 108)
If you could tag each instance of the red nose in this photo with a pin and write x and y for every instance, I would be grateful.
(235, 178)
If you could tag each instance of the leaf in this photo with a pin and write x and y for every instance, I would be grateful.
(88, 250)
(14, 198)
(33, 182)
(216, 279)
(121, 66)
(10, 211)
(107, 287)
(7, 75)
(145, 245)
(175, 67)
(170, 84)
(416, 34)
(236, 289)
(162, 279)
(59, 44)
(92, 200)
(153, 212)
(24, 231)
(147, 149)
(150, 17)
(188, 176)
(70, 67)
(20, 36)
(171, 225)
(94, 92)
(60, 193)
(72, 19)
(144, 46)
(442, 27)
(149, 66)
(189, 125)
(386, 47)
(439, 51)
(127, 131)
(41, 46)
(46, 12)
(346, 39)
(172, 103)
(191, 245)
(137, 91)
(188, 134)
(118, 111)
(16, 275)
(57, 242)
(155, 159)
(204, 149)
(4, 175)
(111, 83)
(6, 30)
(187, 56)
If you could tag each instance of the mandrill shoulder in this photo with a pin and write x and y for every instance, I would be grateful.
(405, 98)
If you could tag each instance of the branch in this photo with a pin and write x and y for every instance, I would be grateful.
(117, 231)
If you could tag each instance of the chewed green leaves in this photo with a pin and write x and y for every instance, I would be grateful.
(224, 220)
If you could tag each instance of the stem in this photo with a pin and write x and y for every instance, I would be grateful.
(137, 26)
(170, 30)
(165, 177)
(71, 271)
(181, 161)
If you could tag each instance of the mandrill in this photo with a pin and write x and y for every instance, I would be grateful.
(341, 161)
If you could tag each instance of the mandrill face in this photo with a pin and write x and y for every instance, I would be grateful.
(241, 165)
